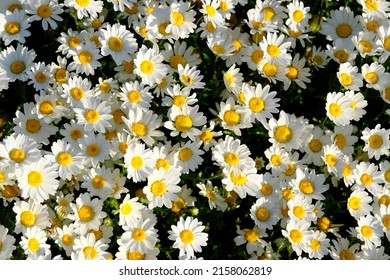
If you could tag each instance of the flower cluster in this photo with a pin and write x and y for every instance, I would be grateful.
(162, 129)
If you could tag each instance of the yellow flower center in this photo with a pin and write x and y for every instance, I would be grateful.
(175, 60)
(344, 30)
(384, 200)
(17, 67)
(105, 88)
(178, 18)
(126, 209)
(44, 11)
(372, 77)
(60, 76)
(298, 16)
(179, 101)
(232, 159)
(386, 44)
(366, 179)
(123, 147)
(252, 236)
(346, 255)
(40, 77)
(92, 116)
(98, 182)
(135, 256)
(283, 134)
(206, 136)
(367, 231)
(211, 195)
(276, 160)
(340, 141)
(76, 134)
(307, 187)
(335, 110)
(67, 240)
(375, 141)
(163, 84)
(134, 96)
(147, 67)
(299, 212)
(46, 108)
(96, 23)
(257, 56)
(269, 13)
(35, 179)
(315, 245)
(90, 253)
(238, 180)
(185, 154)
(315, 145)
(86, 214)
(295, 34)
(273, 50)
(33, 126)
(323, 224)
(386, 221)
(354, 203)
(117, 116)
(210, 11)
(178, 205)
(83, 3)
(163, 163)
(187, 236)
(292, 73)
(231, 117)
(266, 189)
(296, 235)
(290, 170)
(219, 49)
(27, 219)
(210, 27)
(17, 155)
(187, 80)
(129, 67)
(262, 214)
(74, 42)
(366, 46)
(331, 160)
(158, 188)
(93, 150)
(137, 162)
(237, 45)
(372, 26)
(77, 93)
(257, 105)
(12, 28)
(33, 245)
(183, 123)
(372, 5)
(346, 79)
(85, 57)
(342, 56)
(270, 70)
(14, 7)
(115, 44)
(139, 129)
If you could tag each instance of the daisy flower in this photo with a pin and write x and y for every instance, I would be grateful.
(40, 77)
(138, 162)
(384, 217)
(253, 56)
(368, 177)
(76, 89)
(124, 253)
(383, 34)
(71, 40)
(242, 182)
(231, 155)
(72, 132)
(341, 51)
(221, 44)
(310, 184)
(11, 5)
(95, 149)
(275, 49)
(379, 8)
(189, 236)
(99, 182)
(184, 200)
(140, 237)
(297, 73)
(373, 75)
(298, 235)
(338, 108)
(268, 186)
(365, 43)
(85, 8)
(301, 208)
(384, 167)
(88, 248)
(208, 135)
(233, 79)
(318, 57)
(313, 149)
(376, 141)
(215, 200)
(19, 151)
(94, 115)
(190, 77)
(46, 11)
(38, 180)
(106, 89)
(342, 250)
(14, 26)
(85, 59)
(273, 72)
(369, 230)
(7, 242)
(162, 188)
(333, 159)
(274, 12)
(359, 204)
(210, 10)
(188, 156)
(342, 24)
(349, 77)
(288, 131)
(253, 238)
(135, 95)
(317, 245)
(179, 53)
(256, 20)
(342, 137)
(118, 42)
(234, 117)
(63, 204)
(371, 252)
(265, 213)
(34, 242)
(30, 214)
(261, 101)
(179, 97)
(164, 156)
(17, 62)
(298, 15)
(87, 213)
(185, 121)
(130, 211)
(149, 66)
(278, 159)
(358, 104)
(181, 20)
